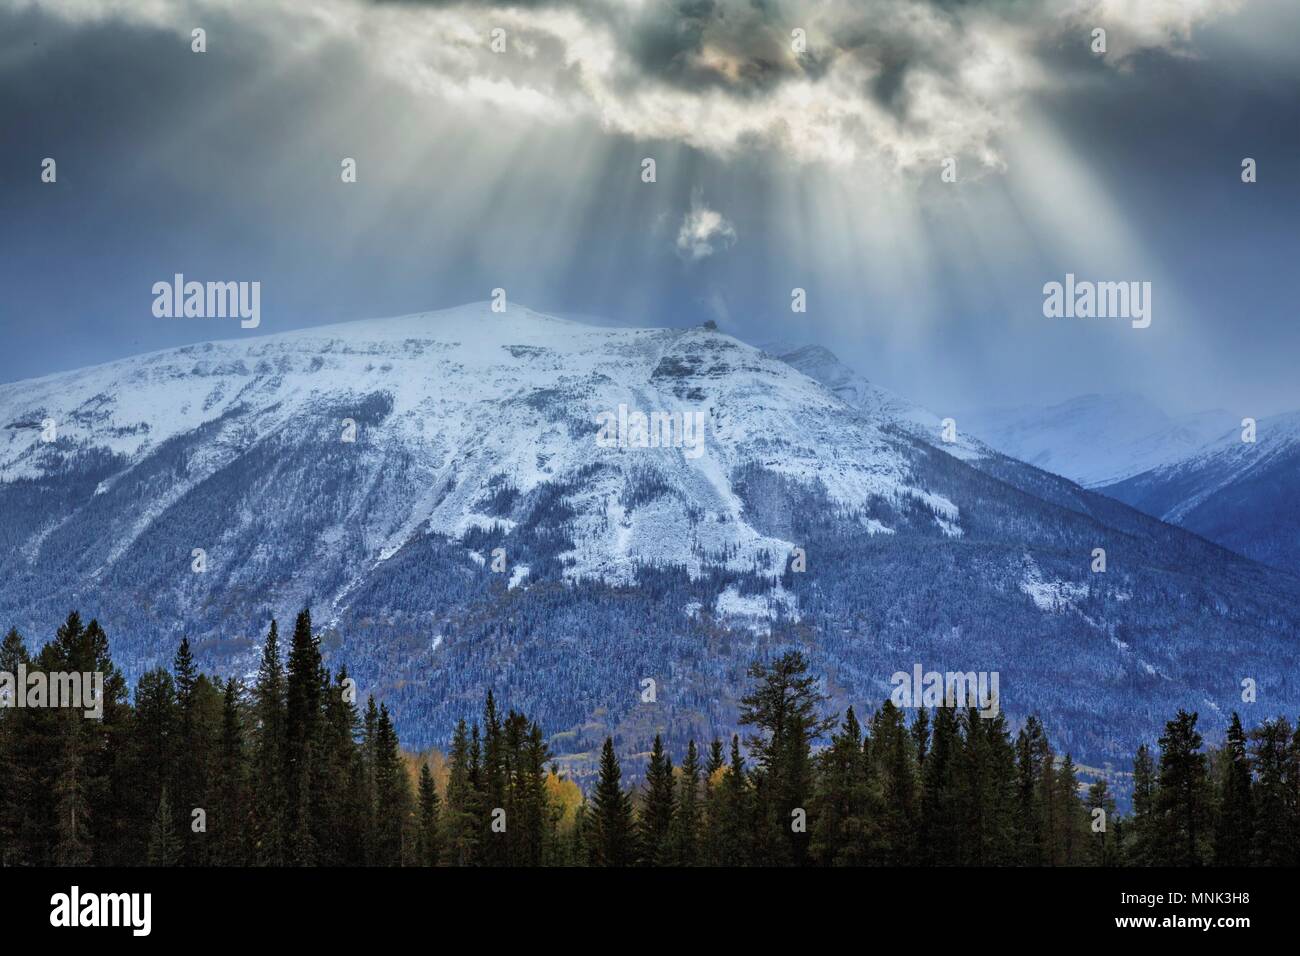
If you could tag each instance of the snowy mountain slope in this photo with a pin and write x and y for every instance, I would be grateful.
(1095, 439)
(469, 398)
(894, 412)
(1239, 494)
(478, 445)
(876, 403)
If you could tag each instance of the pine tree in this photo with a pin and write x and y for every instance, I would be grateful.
(657, 809)
(188, 782)
(941, 831)
(1142, 828)
(842, 831)
(428, 802)
(1033, 760)
(341, 832)
(230, 817)
(1182, 801)
(301, 725)
(72, 808)
(783, 707)
(164, 847)
(1105, 842)
(894, 765)
(1235, 823)
(612, 840)
(1071, 836)
(392, 794)
(269, 798)
(1273, 798)
(736, 817)
(15, 776)
(684, 834)
(460, 823)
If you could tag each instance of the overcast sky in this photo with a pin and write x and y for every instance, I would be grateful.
(776, 168)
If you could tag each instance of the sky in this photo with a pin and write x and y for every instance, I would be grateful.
(796, 145)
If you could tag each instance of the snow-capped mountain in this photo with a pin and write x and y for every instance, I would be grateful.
(879, 404)
(1095, 439)
(1238, 493)
(467, 499)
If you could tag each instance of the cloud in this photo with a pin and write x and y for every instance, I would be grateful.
(898, 84)
(703, 232)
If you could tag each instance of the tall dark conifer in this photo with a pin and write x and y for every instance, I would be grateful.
(612, 838)
(657, 808)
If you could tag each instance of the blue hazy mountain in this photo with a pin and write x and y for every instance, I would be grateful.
(1096, 439)
(438, 490)
(1243, 495)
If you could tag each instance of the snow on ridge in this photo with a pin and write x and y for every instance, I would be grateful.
(481, 400)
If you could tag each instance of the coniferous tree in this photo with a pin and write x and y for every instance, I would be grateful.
(684, 835)
(230, 818)
(612, 837)
(1182, 800)
(893, 758)
(268, 792)
(189, 785)
(1104, 825)
(1273, 798)
(460, 825)
(164, 847)
(1032, 755)
(392, 794)
(1235, 824)
(301, 725)
(495, 845)
(428, 802)
(15, 776)
(72, 810)
(736, 816)
(940, 811)
(843, 812)
(657, 809)
(783, 706)
(1142, 828)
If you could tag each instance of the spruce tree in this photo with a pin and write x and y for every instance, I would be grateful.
(1142, 851)
(1273, 797)
(684, 834)
(72, 809)
(428, 803)
(783, 706)
(657, 809)
(735, 817)
(1235, 825)
(1182, 801)
(164, 847)
(893, 758)
(230, 819)
(301, 723)
(612, 839)
(268, 791)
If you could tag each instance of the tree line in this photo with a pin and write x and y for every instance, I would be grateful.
(290, 771)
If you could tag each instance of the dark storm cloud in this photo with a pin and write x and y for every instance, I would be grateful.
(225, 166)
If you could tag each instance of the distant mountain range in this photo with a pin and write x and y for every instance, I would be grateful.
(1195, 471)
(1243, 495)
(1096, 440)
(440, 490)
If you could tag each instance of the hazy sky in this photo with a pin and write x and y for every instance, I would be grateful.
(776, 169)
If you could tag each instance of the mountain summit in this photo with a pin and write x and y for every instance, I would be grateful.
(440, 490)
